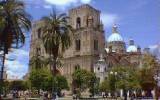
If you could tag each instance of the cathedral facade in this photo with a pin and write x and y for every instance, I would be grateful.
(88, 43)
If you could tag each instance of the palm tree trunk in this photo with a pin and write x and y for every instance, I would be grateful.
(50, 64)
(54, 69)
(5, 51)
(2, 71)
(3, 62)
(55, 56)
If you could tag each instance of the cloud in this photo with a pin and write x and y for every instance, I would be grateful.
(63, 4)
(47, 6)
(20, 52)
(16, 69)
(60, 4)
(66, 2)
(85, 1)
(155, 50)
(109, 19)
(18, 66)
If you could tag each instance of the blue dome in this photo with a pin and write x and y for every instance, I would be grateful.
(115, 37)
(132, 48)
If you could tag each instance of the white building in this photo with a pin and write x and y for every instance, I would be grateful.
(101, 69)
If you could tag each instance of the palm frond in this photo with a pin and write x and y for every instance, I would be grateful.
(56, 35)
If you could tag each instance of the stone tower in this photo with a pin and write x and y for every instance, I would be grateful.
(88, 40)
(36, 44)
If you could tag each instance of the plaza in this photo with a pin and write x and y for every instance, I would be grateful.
(78, 50)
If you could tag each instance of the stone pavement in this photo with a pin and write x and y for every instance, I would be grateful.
(64, 98)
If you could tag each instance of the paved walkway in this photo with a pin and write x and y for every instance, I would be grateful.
(65, 98)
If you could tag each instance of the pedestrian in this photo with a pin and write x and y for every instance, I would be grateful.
(132, 96)
(54, 96)
(103, 94)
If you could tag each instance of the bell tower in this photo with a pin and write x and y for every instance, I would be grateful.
(88, 40)
(89, 36)
(84, 16)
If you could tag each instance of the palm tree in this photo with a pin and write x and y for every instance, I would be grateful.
(37, 61)
(56, 36)
(15, 21)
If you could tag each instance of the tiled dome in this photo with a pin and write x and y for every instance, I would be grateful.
(115, 37)
(132, 47)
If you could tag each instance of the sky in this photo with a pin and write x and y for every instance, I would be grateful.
(136, 19)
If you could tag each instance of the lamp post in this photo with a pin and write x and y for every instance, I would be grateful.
(114, 74)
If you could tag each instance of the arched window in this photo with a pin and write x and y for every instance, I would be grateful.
(78, 22)
(39, 33)
(77, 67)
(78, 45)
(89, 21)
(105, 69)
(38, 50)
(98, 68)
(95, 44)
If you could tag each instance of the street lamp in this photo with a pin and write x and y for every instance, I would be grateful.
(113, 73)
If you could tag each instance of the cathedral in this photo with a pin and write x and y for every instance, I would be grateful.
(117, 50)
(89, 49)
(116, 54)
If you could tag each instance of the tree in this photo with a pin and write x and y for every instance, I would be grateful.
(43, 79)
(83, 79)
(56, 36)
(37, 61)
(93, 83)
(61, 83)
(104, 86)
(147, 81)
(18, 85)
(4, 87)
(147, 73)
(15, 21)
(39, 78)
(149, 61)
(125, 78)
(80, 79)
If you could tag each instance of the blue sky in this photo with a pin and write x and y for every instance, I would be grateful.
(137, 19)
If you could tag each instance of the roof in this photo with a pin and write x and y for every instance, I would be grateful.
(85, 6)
